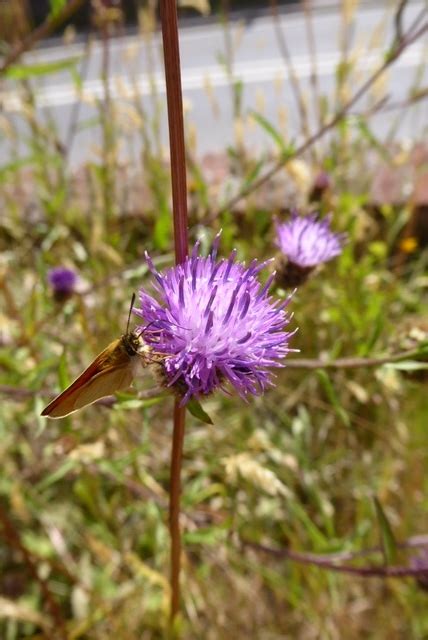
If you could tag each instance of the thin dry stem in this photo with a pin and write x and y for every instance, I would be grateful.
(76, 108)
(310, 37)
(331, 563)
(396, 52)
(294, 80)
(353, 363)
(46, 29)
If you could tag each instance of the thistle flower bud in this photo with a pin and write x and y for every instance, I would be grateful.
(63, 282)
(305, 242)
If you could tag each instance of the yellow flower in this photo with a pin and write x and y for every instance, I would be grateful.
(409, 244)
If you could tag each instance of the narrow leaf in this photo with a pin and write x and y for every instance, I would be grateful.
(64, 379)
(56, 7)
(389, 546)
(253, 174)
(57, 475)
(270, 130)
(368, 134)
(27, 71)
(208, 536)
(332, 396)
(130, 402)
(196, 410)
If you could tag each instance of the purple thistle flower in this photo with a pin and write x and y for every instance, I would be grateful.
(63, 282)
(215, 323)
(307, 241)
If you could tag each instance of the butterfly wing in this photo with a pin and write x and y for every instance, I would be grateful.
(101, 385)
(112, 370)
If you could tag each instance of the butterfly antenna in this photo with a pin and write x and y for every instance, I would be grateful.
(144, 329)
(130, 311)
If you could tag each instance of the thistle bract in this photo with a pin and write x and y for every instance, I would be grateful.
(307, 241)
(214, 323)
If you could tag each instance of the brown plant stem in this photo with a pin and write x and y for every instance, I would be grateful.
(354, 363)
(174, 506)
(51, 23)
(171, 51)
(331, 563)
(168, 14)
(414, 542)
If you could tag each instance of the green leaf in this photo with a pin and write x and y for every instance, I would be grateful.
(128, 402)
(210, 536)
(389, 545)
(77, 78)
(63, 376)
(161, 231)
(368, 134)
(253, 174)
(195, 408)
(343, 70)
(316, 534)
(27, 71)
(37, 544)
(56, 7)
(376, 331)
(270, 130)
(332, 397)
(57, 475)
(14, 166)
(238, 88)
(198, 492)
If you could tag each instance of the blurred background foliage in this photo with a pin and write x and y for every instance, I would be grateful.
(83, 501)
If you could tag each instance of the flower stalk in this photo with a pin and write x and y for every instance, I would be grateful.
(168, 15)
(174, 507)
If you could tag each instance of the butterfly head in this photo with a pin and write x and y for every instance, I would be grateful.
(134, 344)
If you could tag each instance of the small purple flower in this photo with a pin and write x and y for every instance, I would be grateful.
(307, 241)
(215, 323)
(63, 282)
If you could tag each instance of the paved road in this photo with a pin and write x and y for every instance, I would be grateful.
(136, 66)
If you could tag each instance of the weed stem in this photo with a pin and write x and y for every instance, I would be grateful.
(168, 14)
